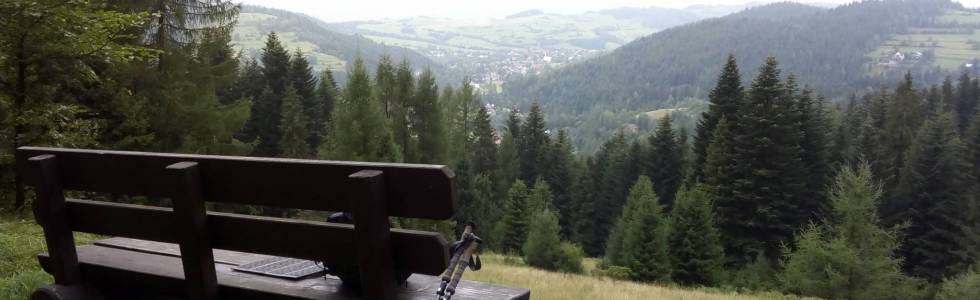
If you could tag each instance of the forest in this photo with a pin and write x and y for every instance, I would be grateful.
(774, 189)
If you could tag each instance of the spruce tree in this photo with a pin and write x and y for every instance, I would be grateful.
(462, 110)
(544, 248)
(902, 119)
(293, 127)
(403, 110)
(484, 150)
(540, 197)
(359, 130)
(723, 102)
(814, 154)
(611, 186)
(966, 100)
(581, 217)
(429, 121)
(275, 64)
(645, 243)
(532, 144)
(763, 213)
(384, 84)
(694, 241)
(515, 221)
(664, 162)
(851, 255)
(718, 168)
(616, 251)
(326, 96)
(304, 83)
(265, 117)
(560, 174)
(935, 193)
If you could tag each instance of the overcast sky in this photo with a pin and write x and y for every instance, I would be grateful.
(348, 10)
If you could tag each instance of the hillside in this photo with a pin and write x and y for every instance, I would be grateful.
(492, 49)
(326, 49)
(838, 50)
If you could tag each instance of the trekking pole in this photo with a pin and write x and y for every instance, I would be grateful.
(463, 257)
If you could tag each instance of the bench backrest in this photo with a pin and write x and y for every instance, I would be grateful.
(371, 191)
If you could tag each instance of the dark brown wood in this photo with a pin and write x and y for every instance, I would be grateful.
(52, 213)
(373, 241)
(142, 274)
(190, 218)
(66, 292)
(415, 251)
(413, 191)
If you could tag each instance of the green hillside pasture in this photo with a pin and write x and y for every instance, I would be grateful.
(953, 46)
(250, 40)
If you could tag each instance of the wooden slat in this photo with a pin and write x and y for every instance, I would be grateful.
(414, 251)
(414, 191)
(52, 213)
(373, 236)
(190, 217)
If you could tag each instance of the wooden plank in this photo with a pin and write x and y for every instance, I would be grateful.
(143, 273)
(190, 217)
(414, 191)
(51, 212)
(373, 240)
(415, 251)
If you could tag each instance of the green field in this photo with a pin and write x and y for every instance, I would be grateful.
(953, 47)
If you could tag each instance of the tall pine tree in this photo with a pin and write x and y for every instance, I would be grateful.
(359, 130)
(723, 102)
(293, 126)
(664, 162)
(694, 241)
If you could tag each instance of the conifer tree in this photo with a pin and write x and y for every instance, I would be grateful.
(664, 162)
(429, 121)
(560, 174)
(850, 255)
(384, 84)
(616, 251)
(484, 150)
(902, 119)
(966, 100)
(403, 112)
(293, 127)
(264, 122)
(645, 243)
(532, 144)
(934, 191)
(719, 165)
(275, 64)
(582, 220)
(462, 110)
(814, 154)
(611, 185)
(540, 197)
(694, 241)
(723, 102)
(326, 96)
(763, 212)
(544, 249)
(515, 221)
(359, 130)
(304, 83)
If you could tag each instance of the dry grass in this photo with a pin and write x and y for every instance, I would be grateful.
(546, 285)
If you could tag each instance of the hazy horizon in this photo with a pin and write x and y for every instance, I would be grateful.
(382, 9)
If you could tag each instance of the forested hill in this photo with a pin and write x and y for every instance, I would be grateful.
(833, 49)
(323, 47)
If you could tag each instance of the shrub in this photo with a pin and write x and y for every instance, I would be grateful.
(964, 286)
(544, 248)
(571, 258)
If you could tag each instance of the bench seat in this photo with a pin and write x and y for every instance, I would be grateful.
(126, 267)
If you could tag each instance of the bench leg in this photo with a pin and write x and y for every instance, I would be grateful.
(66, 292)
(373, 236)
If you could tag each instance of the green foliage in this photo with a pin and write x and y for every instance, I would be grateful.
(532, 143)
(429, 120)
(664, 161)
(544, 249)
(293, 126)
(645, 244)
(560, 174)
(611, 185)
(724, 101)
(515, 221)
(963, 286)
(694, 241)
(763, 212)
(540, 197)
(359, 130)
(850, 256)
(641, 192)
(937, 199)
(759, 274)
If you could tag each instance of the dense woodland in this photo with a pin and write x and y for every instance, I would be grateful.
(776, 189)
(827, 48)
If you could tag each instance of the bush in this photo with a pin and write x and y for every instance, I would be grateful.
(965, 286)
(614, 272)
(545, 250)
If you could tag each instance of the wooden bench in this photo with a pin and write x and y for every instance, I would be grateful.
(124, 268)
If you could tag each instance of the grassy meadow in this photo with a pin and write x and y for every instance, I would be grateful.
(21, 239)
(953, 46)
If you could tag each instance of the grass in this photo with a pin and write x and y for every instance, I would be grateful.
(21, 240)
(248, 38)
(546, 285)
(952, 48)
